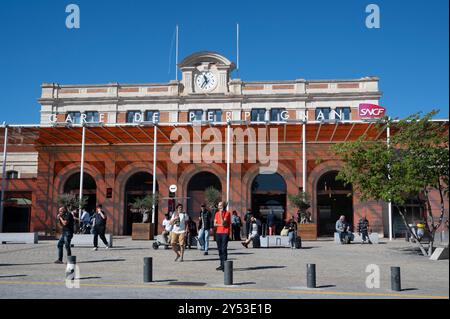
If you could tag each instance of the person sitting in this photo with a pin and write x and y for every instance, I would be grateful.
(363, 229)
(254, 226)
(292, 231)
(343, 228)
(167, 229)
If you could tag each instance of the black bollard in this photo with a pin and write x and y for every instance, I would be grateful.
(148, 269)
(395, 279)
(311, 275)
(228, 273)
(70, 269)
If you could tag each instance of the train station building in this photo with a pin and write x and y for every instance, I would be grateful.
(256, 142)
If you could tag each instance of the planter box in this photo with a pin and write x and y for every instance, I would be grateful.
(142, 231)
(307, 231)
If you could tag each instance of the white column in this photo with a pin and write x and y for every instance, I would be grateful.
(388, 136)
(228, 164)
(304, 155)
(154, 171)
(83, 142)
(5, 154)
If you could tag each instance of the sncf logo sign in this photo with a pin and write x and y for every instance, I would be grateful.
(371, 111)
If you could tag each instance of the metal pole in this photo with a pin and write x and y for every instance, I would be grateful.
(228, 273)
(304, 155)
(2, 199)
(70, 268)
(83, 143)
(228, 165)
(176, 55)
(395, 279)
(237, 47)
(155, 137)
(388, 136)
(311, 275)
(148, 269)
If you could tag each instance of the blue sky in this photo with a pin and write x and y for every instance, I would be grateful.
(130, 42)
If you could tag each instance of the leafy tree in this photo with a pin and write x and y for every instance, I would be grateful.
(144, 205)
(212, 197)
(415, 162)
(301, 201)
(71, 201)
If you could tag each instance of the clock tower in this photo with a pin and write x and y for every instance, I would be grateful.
(206, 73)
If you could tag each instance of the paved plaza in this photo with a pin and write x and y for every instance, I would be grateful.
(27, 271)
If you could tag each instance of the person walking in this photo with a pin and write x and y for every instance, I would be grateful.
(178, 238)
(204, 227)
(67, 222)
(247, 217)
(222, 222)
(292, 231)
(99, 227)
(271, 223)
(235, 226)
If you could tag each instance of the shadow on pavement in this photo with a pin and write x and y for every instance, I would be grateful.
(259, 268)
(166, 280)
(12, 276)
(409, 289)
(87, 278)
(326, 286)
(28, 264)
(244, 283)
(100, 261)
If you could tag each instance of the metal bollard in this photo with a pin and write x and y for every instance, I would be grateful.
(70, 269)
(228, 273)
(395, 279)
(311, 275)
(148, 269)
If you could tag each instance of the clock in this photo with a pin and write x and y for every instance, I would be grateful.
(206, 81)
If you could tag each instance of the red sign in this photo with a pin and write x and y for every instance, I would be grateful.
(371, 111)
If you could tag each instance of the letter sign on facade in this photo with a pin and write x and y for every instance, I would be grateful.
(371, 111)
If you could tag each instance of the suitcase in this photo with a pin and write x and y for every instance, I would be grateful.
(256, 242)
(298, 243)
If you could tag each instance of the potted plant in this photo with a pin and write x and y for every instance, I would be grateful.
(143, 206)
(306, 228)
(212, 198)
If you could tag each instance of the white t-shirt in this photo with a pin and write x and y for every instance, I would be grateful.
(166, 225)
(181, 228)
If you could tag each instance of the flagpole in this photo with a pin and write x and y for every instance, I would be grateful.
(237, 48)
(176, 53)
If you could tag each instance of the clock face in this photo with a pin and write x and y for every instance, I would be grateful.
(206, 81)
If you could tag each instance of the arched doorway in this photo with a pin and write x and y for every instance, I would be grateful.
(138, 185)
(334, 198)
(269, 194)
(72, 186)
(196, 191)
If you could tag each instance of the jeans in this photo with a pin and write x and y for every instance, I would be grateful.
(236, 231)
(222, 246)
(100, 231)
(365, 235)
(292, 238)
(203, 238)
(65, 239)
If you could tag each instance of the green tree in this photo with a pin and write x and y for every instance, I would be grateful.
(71, 201)
(301, 201)
(212, 197)
(415, 161)
(144, 206)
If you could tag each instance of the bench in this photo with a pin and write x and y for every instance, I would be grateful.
(88, 240)
(356, 238)
(274, 241)
(27, 238)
